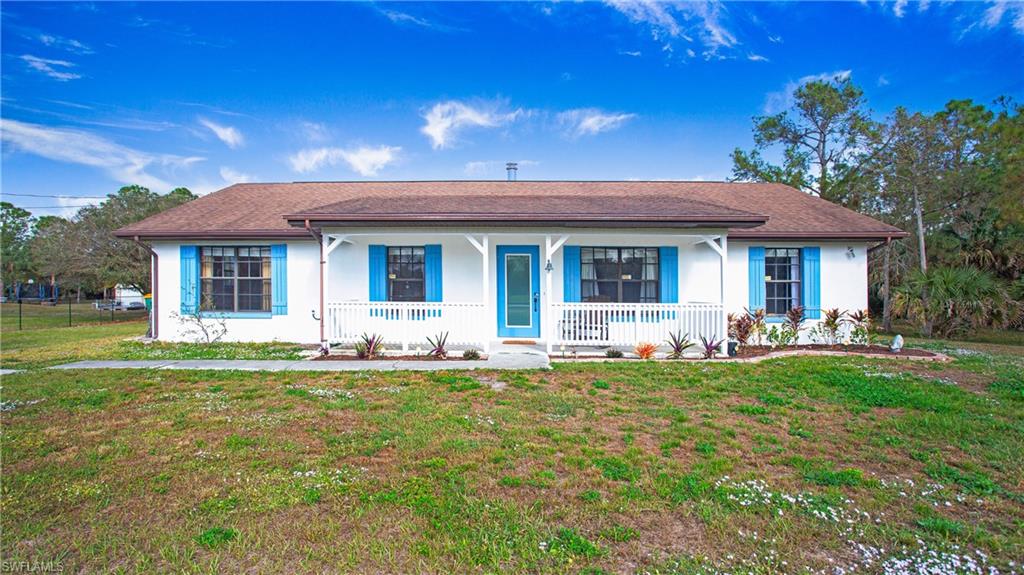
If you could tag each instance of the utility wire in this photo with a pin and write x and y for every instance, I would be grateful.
(50, 196)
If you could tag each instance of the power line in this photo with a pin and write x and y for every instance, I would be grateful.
(50, 196)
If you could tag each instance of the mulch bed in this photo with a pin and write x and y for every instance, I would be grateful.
(745, 351)
(337, 357)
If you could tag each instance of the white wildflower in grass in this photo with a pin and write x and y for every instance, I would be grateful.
(15, 404)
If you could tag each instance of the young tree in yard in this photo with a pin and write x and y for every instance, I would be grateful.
(15, 231)
(117, 261)
(825, 139)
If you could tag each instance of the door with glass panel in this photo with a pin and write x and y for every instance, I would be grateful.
(518, 291)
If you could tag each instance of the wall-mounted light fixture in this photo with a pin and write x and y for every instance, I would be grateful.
(850, 254)
(548, 267)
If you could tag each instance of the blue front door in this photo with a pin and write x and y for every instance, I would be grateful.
(518, 291)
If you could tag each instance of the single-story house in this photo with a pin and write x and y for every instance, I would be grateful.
(561, 263)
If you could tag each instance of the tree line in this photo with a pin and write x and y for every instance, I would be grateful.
(81, 252)
(953, 179)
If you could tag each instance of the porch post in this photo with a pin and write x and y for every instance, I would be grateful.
(549, 320)
(325, 257)
(549, 330)
(490, 327)
(722, 274)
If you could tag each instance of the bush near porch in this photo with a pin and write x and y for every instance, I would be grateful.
(661, 467)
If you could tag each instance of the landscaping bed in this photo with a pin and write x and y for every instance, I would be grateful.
(746, 351)
(352, 357)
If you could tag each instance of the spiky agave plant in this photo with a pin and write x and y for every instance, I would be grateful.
(437, 345)
(710, 346)
(370, 346)
(678, 344)
(645, 350)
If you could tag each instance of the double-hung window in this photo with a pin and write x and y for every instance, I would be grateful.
(628, 275)
(782, 279)
(235, 279)
(405, 273)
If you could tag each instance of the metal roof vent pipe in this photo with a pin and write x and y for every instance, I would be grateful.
(512, 168)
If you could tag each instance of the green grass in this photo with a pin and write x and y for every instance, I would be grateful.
(665, 467)
(36, 316)
(51, 346)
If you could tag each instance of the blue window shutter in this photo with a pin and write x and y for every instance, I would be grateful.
(189, 279)
(668, 262)
(378, 273)
(755, 272)
(571, 273)
(279, 279)
(432, 272)
(810, 280)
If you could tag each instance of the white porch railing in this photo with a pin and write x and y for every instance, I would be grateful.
(406, 323)
(608, 324)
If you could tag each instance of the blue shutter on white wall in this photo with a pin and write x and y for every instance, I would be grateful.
(189, 279)
(378, 273)
(810, 281)
(571, 274)
(279, 279)
(432, 272)
(668, 261)
(755, 278)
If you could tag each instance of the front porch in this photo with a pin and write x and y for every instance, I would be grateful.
(526, 289)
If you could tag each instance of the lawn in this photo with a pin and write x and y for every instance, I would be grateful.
(51, 346)
(36, 316)
(785, 466)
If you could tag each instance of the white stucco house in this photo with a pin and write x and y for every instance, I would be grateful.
(554, 262)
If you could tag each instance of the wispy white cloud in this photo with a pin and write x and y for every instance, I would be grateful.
(882, 80)
(56, 69)
(774, 39)
(899, 7)
(993, 15)
(69, 44)
(757, 58)
(591, 121)
(124, 164)
(633, 53)
(230, 135)
(313, 132)
(445, 120)
(232, 176)
(366, 161)
(674, 21)
(492, 168)
(405, 18)
(776, 102)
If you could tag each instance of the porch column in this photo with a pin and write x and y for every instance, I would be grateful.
(549, 253)
(489, 327)
(325, 253)
(724, 255)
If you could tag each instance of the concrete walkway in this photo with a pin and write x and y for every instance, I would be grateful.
(498, 360)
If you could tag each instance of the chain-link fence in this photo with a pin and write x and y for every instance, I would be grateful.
(40, 314)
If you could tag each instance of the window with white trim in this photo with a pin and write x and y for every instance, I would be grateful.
(781, 280)
(234, 279)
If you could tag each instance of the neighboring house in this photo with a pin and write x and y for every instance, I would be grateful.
(559, 263)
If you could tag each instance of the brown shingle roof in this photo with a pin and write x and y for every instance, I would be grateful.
(259, 210)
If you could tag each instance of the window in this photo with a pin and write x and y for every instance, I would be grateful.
(782, 280)
(405, 274)
(619, 275)
(235, 279)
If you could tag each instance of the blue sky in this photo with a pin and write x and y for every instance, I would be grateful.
(95, 96)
